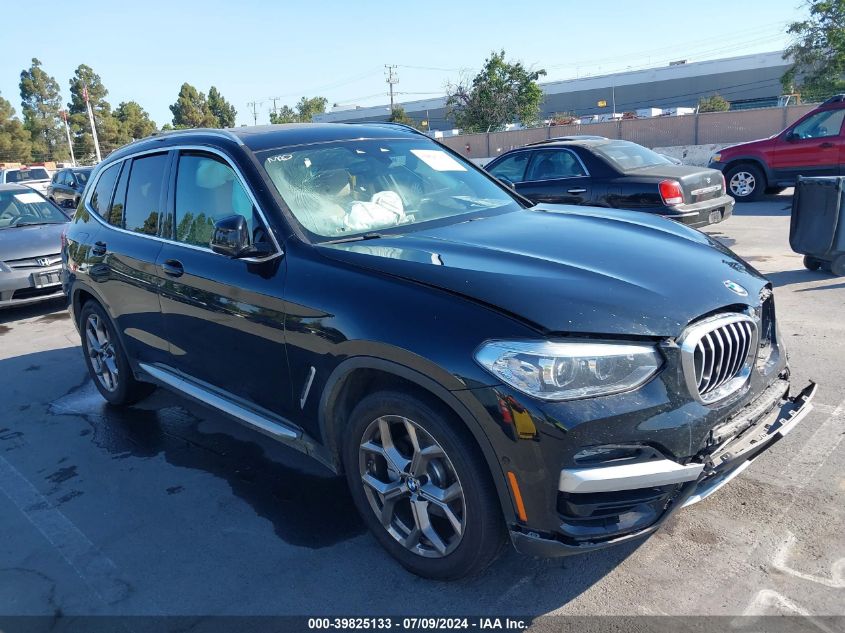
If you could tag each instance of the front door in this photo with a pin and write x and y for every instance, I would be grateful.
(224, 317)
(556, 176)
(814, 146)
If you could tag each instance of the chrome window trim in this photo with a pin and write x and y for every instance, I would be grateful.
(688, 342)
(550, 149)
(199, 148)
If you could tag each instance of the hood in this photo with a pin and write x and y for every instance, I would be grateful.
(759, 144)
(31, 241)
(570, 269)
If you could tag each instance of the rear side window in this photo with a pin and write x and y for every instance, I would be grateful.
(820, 125)
(555, 163)
(115, 214)
(143, 204)
(512, 168)
(101, 196)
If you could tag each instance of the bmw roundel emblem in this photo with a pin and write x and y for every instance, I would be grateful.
(735, 287)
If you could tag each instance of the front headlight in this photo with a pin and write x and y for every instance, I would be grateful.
(571, 369)
(4, 268)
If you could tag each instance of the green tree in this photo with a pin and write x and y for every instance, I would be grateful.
(817, 51)
(305, 110)
(15, 140)
(191, 109)
(499, 94)
(41, 103)
(133, 122)
(222, 110)
(398, 115)
(108, 131)
(713, 103)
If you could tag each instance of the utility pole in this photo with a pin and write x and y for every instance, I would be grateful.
(69, 143)
(91, 119)
(392, 79)
(274, 99)
(254, 105)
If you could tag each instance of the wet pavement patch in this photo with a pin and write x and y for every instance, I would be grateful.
(305, 508)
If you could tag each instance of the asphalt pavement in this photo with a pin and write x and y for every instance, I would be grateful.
(169, 508)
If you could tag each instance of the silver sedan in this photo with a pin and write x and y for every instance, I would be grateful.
(30, 245)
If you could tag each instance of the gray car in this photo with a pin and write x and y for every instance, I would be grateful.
(30, 243)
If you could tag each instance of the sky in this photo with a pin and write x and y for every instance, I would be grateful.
(253, 51)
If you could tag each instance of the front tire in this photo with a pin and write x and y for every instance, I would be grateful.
(421, 485)
(745, 182)
(106, 360)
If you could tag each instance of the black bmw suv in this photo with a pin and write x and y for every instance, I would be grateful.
(474, 364)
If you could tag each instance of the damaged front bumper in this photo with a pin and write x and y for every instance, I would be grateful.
(759, 430)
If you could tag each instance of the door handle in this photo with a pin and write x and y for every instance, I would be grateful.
(173, 268)
(99, 249)
(576, 191)
(826, 145)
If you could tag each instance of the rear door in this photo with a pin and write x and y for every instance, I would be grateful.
(556, 175)
(814, 146)
(224, 316)
(126, 276)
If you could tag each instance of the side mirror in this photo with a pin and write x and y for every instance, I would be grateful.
(506, 181)
(231, 236)
(790, 136)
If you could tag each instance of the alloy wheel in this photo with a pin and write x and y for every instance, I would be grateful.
(742, 184)
(412, 486)
(101, 351)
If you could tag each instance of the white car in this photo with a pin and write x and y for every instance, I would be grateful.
(37, 178)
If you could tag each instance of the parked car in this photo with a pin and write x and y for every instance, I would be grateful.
(618, 174)
(474, 365)
(34, 177)
(812, 146)
(67, 186)
(30, 238)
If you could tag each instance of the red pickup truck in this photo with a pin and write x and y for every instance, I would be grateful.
(812, 146)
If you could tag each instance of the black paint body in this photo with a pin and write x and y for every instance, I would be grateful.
(362, 313)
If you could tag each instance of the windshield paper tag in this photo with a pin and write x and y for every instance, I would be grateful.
(27, 198)
(438, 160)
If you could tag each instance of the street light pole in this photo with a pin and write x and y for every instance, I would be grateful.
(93, 127)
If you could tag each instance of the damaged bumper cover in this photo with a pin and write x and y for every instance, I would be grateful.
(693, 481)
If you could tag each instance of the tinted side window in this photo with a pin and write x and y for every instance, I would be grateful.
(555, 163)
(207, 190)
(143, 194)
(115, 214)
(512, 167)
(101, 196)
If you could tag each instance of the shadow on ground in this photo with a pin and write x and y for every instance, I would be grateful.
(45, 308)
(775, 206)
(309, 508)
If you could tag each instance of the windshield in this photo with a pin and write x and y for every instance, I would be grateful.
(25, 208)
(347, 188)
(627, 156)
(23, 175)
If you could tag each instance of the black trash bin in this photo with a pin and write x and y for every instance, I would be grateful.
(817, 229)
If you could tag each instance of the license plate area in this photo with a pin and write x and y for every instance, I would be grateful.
(715, 216)
(47, 279)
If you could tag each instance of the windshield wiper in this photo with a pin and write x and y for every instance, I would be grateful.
(19, 224)
(355, 238)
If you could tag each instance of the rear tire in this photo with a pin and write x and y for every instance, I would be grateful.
(408, 478)
(106, 360)
(745, 182)
(811, 263)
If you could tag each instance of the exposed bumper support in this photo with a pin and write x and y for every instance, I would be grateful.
(697, 480)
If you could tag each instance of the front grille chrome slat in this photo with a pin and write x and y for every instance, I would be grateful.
(717, 355)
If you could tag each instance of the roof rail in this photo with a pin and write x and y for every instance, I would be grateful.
(222, 132)
(404, 126)
(571, 137)
(835, 99)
